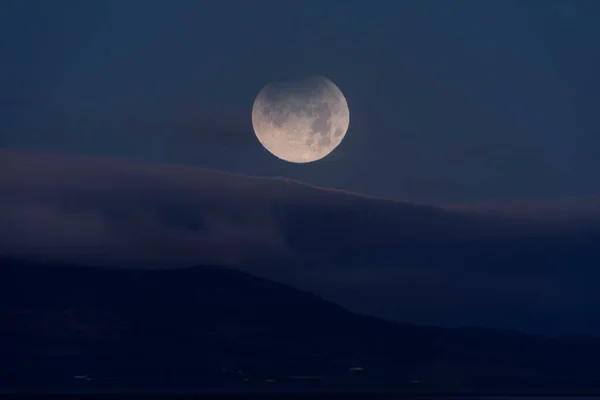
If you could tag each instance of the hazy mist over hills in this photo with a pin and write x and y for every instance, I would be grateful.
(413, 263)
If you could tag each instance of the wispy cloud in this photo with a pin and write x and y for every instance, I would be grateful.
(374, 255)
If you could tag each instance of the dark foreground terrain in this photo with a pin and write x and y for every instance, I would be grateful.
(74, 328)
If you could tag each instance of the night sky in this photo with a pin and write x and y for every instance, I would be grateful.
(452, 103)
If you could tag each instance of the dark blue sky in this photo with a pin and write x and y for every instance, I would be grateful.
(450, 101)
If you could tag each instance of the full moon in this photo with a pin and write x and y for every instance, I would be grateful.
(301, 121)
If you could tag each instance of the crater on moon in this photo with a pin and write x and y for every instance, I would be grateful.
(301, 121)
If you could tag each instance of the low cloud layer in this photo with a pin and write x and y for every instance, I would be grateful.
(410, 262)
(119, 213)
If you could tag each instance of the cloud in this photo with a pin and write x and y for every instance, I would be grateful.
(103, 212)
(404, 261)
(171, 129)
(585, 208)
(189, 131)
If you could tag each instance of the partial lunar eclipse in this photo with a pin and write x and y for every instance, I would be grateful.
(301, 121)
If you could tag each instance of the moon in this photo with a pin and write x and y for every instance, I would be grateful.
(301, 121)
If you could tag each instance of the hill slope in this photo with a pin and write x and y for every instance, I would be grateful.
(208, 325)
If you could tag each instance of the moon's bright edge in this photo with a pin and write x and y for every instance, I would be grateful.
(301, 121)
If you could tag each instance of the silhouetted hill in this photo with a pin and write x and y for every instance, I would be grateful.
(207, 326)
